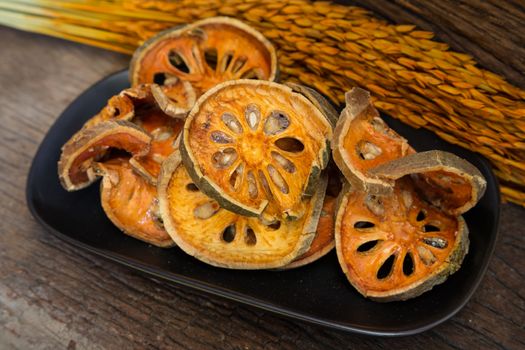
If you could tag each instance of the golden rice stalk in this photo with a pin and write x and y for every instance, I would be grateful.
(332, 48)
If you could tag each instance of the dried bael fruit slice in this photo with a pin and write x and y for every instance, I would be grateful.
(221, 238)
(247, 143)
(205, 54)
(165, 132)
(324, 240)
(130, 202)
(362, 141)
(443, 179)
(91, 144)
(397, 246)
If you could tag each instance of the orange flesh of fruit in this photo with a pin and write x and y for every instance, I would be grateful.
(408, 230)
(131, 202)
(444, 189)
(369, 143)
(164, 131)
(238, 55)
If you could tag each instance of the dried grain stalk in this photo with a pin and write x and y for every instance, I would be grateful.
(332, 48)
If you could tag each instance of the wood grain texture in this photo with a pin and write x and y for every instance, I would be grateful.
(53, 296)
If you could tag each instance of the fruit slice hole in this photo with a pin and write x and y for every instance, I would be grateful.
(177, 61)
(363, 225)
(265, 185)
(431, 228)
(225, 158)
(367, 150)
(436, 242)
(286, 164)
(421, 215)
(220, 137)
(159, 78)
(252, 115)
(238, 64)
(232, 123)
(408, 264)
(274, 226)
(211, 58)
(206, 210)
(290, 144)
(226, 60)
(251, 74)
(191, 187)
(426, 256)
(277, 179)
(365, 247)
(385, 269)
(250, 238)
(276, 123)
(236, 177)
(228, 235)
(252, 185)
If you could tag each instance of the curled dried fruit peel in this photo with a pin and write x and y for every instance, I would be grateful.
(397, 246)
(204, 53)
(443, 179)
(362, 141)
(216, 236)
(248, 143)
(147, 106)
(131, 203)
(75, 167)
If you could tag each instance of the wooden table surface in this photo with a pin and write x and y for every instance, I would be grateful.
(54, 296)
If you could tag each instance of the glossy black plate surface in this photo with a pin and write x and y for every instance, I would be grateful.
(318, 293)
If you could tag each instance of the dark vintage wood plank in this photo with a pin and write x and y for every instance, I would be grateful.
(54, 296)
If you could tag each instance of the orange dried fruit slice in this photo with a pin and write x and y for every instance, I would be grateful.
(164, 131)
(130, 202)
(397, 246)
(214, 235)
(248, 143)
(75, 167)
(362, 141)
(441, 178)
(324, 240)
(204, 53)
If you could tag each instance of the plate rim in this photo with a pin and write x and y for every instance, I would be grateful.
(240, 297)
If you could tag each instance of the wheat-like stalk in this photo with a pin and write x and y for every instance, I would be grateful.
(332, 48)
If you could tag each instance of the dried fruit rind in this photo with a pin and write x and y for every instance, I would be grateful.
(86, 146)
(205, 53)
(444, 179)
(323, 241)
(247, 143)
(131, 203)
(362, 141)
(396, 246)
(221, 238)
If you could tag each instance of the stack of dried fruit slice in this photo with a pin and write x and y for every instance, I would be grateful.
(125, 144)
(398, 226)
(237, 172)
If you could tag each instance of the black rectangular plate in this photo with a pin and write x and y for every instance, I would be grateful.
(317, 293)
